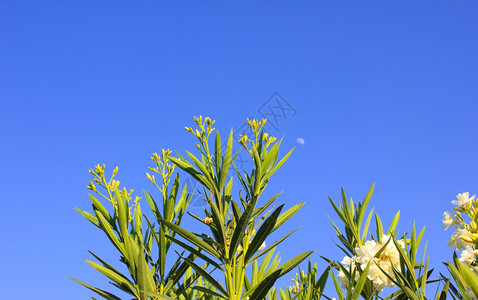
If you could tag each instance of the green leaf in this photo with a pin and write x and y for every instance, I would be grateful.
(364, 204)
(226, 164)
(260, 210)
(188, 168)
(144, 276)
(242, 226)
(196, 252)
(108, 266)
(378, 227)
(338, 289)
(217, 154)
(176, 273)
(263, 288)
(153, 206)
(206, 276)
(118, 278)
(272, 246)
(393, 226)
(193, 239)
(171, 201)
(366, 226)
(99, 207)
(265, 229)
(100, 292)
(293, 262)
(469, 276)
(207, 291)
(155, 295)
(287, 215)
(106, 227)
(89, 216)
(360, 283)
(281, 162)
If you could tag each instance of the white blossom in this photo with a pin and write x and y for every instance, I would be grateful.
(463, 199)
(262, 247)
(468, 255)
(365, 254)
(447, 220)
(456, 240)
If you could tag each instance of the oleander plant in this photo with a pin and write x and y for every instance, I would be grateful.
(233, 254)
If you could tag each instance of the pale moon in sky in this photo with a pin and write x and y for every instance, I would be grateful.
(300, 141)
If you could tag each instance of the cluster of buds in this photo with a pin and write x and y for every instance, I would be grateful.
(464, 218)
(205, 126)
(298, 283)
(163, 168)
(99, 178)
(256, 127)
(111, 186)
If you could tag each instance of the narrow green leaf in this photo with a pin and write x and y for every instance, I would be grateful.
(394, 223)
(98, 206)
(270, 247)
(207, 291)
(188, 168)
(109, 232)
(89, 216)
(119, 279)
(281, 162)
(100, 292)
(196, 252)
(193, 239)
(262, 233)
(206, 276)
(263, 288)
(364, 204)
(293, 262)
(287, 215)
(470, 277)
(241, 226)
(108, 266)
(360, 283)
(366, 226)
(227, 161)
(378, 227)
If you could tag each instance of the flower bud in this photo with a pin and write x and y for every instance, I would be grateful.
(473, 226)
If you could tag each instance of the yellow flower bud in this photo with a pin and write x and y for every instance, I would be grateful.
(115, 170)
(91, 186)
(151, 178)
(473, 226)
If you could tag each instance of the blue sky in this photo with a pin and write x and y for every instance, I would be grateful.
(382, 92)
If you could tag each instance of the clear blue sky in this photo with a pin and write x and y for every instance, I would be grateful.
(383, 92)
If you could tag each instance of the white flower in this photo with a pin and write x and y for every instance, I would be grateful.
(447, 220)
(463, 199)
(468, 255)
(366, 254)
(262, 247)
(457, 242)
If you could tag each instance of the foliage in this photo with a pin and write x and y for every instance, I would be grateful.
(238, 229)
(370, 266)
(235, 257)
(124, 227)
